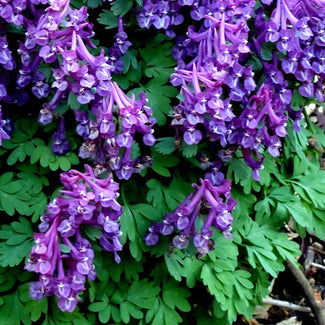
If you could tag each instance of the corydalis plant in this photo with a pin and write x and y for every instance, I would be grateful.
(109, 138)
(84, 201)
(297, 30)
(61, 37)
(195, 219)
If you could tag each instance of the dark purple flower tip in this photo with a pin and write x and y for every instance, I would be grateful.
(166, 228)
(43, 226)
(223, 220)
(228, 234)
(192, 136)
(92, 275)
(78, 282)
(117, 258)
(62, 288)
(256, 175)
(109, 225)
(151, 238)
(36, 290)
(84, 266)
(215, 177)
(149, 139)
(45, 116)
(66, 228)
(67, 304)
(306, 89)
(43, 266)
(182, 222)
(181, 241)
(41, 89)
(60, 147)
(125, 172)
(281, 130)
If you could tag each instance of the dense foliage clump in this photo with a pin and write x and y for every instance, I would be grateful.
(154, 154)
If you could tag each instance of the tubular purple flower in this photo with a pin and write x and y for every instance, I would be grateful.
(84, 53)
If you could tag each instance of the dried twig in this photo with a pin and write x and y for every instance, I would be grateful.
(317, 309)
(318, 266)
(286, 304)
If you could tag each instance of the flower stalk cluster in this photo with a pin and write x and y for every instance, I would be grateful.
(62, 37)
(297, 30)
(84, 201)
(211, 203)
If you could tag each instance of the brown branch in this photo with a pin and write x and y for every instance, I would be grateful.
(317, 309)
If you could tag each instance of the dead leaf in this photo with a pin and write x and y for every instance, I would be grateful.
(290, 321)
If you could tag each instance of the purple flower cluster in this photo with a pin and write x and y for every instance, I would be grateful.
(84, 201)
(62, 35)
(297, 29)
(212, 79)
(161, 15)
(217, 87)
(11, 11)
(185, 219)
(119, 48)
(212, 76)
(109, 138)
(261, 124)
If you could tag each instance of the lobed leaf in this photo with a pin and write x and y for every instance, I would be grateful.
(17, 242)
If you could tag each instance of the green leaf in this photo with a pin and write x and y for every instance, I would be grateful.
(18, 242)
(263, 208)
(12, 311)
(135, 221)
(165, 145)
(65, 248)
(93, 3)
(73, 101)
(158, 59)
(108, 19)
(128, 225)
(179, 266)
(127, 309)
(297, 101)
(130, 60)
(98, 306)
(232, 291)
(13, 195)
(267, 51)
(142, 294)
(159, 99)
(166, 198)
(299, 213)
(35, 308)
(319, 222)
(189, 151)
(239, 171)
(282, 194)
(174, 296)
(37, 206)
(164, 315)
(259, 248)
(311, 188)
(121, 7)
(18, 154)
(161, 162)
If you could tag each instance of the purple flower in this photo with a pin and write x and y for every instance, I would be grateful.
(36, 290)
(60, 145)
(184, 217)
(68, 304)
(87, 200)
